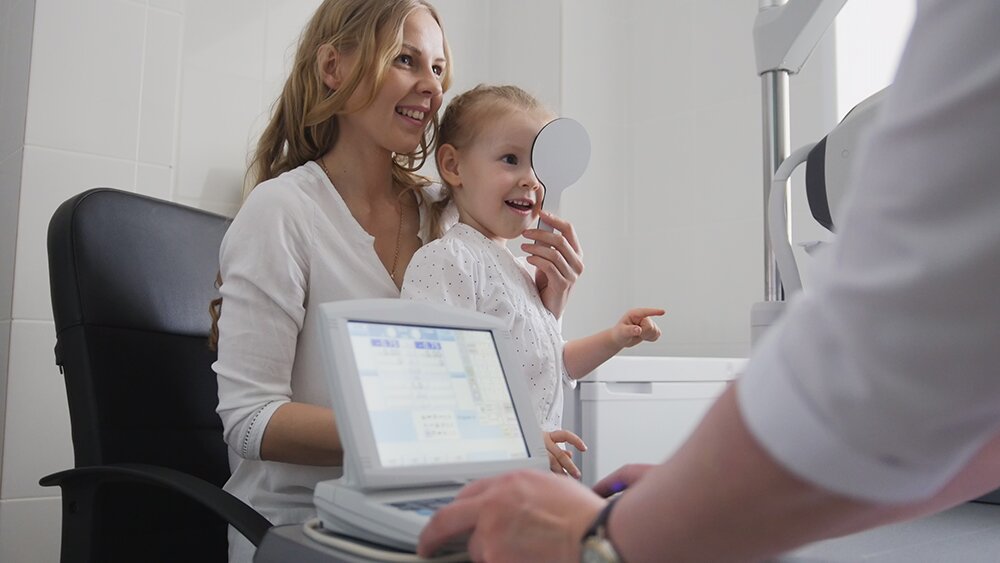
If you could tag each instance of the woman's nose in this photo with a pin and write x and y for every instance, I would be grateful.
(430, 83)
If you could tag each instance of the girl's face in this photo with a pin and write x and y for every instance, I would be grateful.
(410, 95)
(495, 189)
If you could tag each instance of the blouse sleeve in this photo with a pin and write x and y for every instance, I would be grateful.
(442, 272)
(264, 266)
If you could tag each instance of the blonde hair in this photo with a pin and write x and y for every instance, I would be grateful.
(303, 124)
(466, 116)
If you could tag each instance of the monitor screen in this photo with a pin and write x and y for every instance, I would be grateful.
(435, 395)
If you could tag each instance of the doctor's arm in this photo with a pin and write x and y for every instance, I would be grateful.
(721, 497)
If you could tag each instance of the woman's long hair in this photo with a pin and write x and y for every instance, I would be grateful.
(304, 124)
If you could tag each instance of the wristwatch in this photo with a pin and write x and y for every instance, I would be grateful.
(596, 546)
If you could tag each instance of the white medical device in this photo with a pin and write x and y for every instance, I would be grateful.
(559, 156)
(828, 167)
(428, 397)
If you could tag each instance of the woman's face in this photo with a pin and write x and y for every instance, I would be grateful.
(410, 95)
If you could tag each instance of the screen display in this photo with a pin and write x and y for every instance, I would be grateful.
(435, 395)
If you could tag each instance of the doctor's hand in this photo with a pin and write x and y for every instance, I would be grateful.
(622, 478)
(521, 516)
(560, 461)
(636, 326)
(557, 259)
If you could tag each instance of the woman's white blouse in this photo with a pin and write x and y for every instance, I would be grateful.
(466, 269)
(293, 245)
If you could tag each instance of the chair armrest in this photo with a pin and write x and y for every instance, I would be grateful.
(231, 509)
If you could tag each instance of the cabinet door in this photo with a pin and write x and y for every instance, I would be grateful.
(641, 422)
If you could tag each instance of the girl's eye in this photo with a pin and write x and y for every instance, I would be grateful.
(438, 70)
(509, 159)
(405, 59)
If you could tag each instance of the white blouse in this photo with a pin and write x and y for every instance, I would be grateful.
(466, 269)
(293, 245)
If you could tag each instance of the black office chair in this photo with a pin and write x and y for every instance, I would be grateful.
(131, 280)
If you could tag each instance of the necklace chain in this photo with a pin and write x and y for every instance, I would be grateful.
(399, 228)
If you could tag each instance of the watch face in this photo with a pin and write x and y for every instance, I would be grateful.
(598, 550)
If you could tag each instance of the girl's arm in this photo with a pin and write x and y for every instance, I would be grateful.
(583, 355)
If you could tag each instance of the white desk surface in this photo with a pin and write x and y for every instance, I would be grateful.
(969, 533)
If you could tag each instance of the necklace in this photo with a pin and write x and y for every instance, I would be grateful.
(399, 228)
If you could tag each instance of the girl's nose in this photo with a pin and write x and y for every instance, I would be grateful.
(530, 181)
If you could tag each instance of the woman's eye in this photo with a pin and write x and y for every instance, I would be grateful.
(438, 70)
(509, 159)
(405, 59)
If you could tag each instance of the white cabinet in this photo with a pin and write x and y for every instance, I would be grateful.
(640, 409)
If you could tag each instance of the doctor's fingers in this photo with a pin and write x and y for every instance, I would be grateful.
(457, 518)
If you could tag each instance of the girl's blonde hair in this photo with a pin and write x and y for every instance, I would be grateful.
(304, 125)
(466, 117)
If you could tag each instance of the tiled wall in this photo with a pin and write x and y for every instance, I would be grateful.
(162, 97)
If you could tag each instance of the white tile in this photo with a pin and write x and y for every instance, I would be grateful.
(10, 190)
(218, 207)
(15, 59)
(170, 5)
(30, 530)
(154, 180)
(4, 369)
(37, 413)
(706, 278)
(467, 27)
(660, 48)
(85, 76)
(728, 162)
(285, 21)
(722, 64)
(225, 37)
(50, 177)
(594, 71)
(160, 88)
(214, 138)
(533, 61)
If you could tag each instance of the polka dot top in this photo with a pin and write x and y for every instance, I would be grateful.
(466, 269)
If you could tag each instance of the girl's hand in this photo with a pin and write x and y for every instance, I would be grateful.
(560, 461)
(557, 259)
(636, 326)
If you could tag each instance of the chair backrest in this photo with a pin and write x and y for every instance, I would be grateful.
(131, 280)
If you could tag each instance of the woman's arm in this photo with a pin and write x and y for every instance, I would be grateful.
(304, 434)
(264, 262)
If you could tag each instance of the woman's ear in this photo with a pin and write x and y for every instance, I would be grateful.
(447, 161)
(331, 66)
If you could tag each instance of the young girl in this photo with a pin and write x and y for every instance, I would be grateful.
(337, 214)
(484, 159)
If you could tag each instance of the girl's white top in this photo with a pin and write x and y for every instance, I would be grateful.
(466, 269)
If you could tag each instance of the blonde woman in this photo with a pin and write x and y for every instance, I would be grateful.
(337, 213)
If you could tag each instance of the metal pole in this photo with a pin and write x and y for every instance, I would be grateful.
(774, 98)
